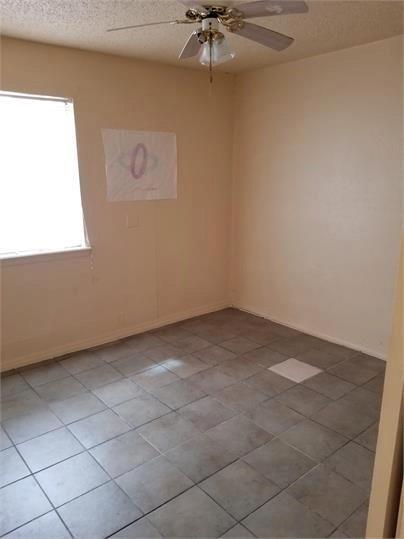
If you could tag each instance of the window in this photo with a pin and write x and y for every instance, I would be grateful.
(40, 201)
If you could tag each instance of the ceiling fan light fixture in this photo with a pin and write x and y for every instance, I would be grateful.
(219, 54)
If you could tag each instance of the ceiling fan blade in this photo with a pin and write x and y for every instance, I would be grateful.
(268, 8)
(191, 47)
(146, 24)
(265, 36)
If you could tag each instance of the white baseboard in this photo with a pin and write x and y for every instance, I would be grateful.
(100, 340)
(92, 342)
(324, 336)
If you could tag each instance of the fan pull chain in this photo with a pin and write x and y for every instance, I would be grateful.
(210, 59)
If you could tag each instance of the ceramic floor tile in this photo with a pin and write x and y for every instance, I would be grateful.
(319, 358)
(284, 332)
(217, 335)
(211, 380)
(355, 525)
(274, 417)
(60, 389)
(143, 342)
(155, 377)
(164, 352)
(141, 529)
(43, 374)
(370, 362)
(239, 434)
(353, 372)
(98, 428)
(118, 392)
(368, 438)
(313, 439)
(353, 462)
(217, 372)
(283, 516)
(303, 400)
(329, 385)
(269, 383)
(21, 502)
(238, 532)
(339, 534)
(362, 399)
(141, 410)
(239, 489)
(123, 453)
(113, 352)
(213, 355)
(78, 407)
(5, 441)
(200, 457)
(295, 370)
(133, 364)
(153, 483)
(240, 345)
(240, 397)
(178, 394)
(25, 427)
(172, 332)
(261, 336)
(192, 514)
(345, 418)
(279, 462)
(99, 513)
(81, 361)
(206, 413)
(184, 366)
(23, 403)
(265, 357)
(45, 527)
(71, 478)
(99, 376)
(191, 343)
(290, 347)
(328, 494)
(12, 385)
(341, 352)
(240, 368)
(49, 449)
(12, 467)
(168, 431)
(375, 384)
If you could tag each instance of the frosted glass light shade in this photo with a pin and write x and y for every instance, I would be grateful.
(220, 52)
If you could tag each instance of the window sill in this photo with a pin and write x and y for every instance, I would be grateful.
(44, 256)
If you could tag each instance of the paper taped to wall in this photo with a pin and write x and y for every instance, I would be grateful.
(140, 165)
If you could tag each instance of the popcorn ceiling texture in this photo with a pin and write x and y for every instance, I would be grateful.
(329, 26)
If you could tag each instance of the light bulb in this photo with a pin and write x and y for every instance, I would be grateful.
(220, 52)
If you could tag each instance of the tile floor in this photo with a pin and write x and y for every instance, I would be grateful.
(226, 425)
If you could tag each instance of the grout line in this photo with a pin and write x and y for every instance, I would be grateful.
(160, 453)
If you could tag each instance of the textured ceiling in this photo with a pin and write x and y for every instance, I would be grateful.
(329, 25)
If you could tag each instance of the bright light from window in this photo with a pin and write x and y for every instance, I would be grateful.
(40, 201)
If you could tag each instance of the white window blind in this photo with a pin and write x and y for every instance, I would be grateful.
(40, 200)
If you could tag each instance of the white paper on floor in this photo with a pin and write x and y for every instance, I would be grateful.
(295, 370)
(140, 165)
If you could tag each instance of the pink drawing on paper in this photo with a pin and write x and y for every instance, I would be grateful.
(140, 165)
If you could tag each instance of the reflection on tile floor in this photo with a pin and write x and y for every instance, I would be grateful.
(225, 425)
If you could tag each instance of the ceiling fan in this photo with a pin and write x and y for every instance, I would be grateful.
(208, 43)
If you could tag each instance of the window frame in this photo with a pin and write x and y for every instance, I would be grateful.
(45, 255)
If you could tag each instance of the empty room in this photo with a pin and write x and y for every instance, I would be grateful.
(201, 269)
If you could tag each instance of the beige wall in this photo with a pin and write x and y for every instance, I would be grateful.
(317, 193)
(175, 263)
(315, 200)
